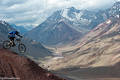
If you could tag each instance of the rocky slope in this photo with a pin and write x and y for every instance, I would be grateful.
(15, 66)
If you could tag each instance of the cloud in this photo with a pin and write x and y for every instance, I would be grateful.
(29, 12)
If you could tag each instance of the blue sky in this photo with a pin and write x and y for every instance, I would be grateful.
(33, 12)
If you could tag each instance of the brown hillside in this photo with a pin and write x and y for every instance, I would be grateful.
(13, 65)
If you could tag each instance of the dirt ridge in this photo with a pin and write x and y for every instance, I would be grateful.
(13, 65)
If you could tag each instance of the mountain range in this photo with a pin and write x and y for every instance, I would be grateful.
(65, 26)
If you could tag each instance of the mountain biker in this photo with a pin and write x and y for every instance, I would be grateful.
(12, 35)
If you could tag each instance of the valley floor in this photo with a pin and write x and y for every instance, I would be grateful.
(95, 73)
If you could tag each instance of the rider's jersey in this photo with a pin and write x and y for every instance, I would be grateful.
(12, 33)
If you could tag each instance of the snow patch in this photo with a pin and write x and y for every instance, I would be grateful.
(64, 14)
(78, 15)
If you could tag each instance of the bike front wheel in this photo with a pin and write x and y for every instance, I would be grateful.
(22, 48)
(6, 44)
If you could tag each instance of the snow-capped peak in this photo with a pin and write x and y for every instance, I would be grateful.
(3, 22)
(72, 14)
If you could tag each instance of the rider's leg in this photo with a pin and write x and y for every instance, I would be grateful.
(12, 41)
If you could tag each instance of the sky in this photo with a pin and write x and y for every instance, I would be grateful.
(33, 12)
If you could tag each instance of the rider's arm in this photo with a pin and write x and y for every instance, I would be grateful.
(19, 35)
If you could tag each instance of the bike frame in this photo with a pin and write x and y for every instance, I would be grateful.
(17, 41)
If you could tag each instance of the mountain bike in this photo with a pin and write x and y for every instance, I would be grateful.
(8, 44)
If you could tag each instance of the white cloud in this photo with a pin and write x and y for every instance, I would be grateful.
(27, 12)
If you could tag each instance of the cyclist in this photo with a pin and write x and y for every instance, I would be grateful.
(12, 35)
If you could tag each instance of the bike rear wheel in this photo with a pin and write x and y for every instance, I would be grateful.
(6, 44)
(22, 48)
